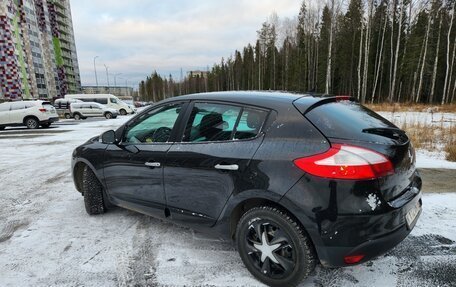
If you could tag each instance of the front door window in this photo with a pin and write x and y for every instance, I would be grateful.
(153, 127)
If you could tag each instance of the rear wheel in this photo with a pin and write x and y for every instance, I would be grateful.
(123, 112)
(273, 247)
(108, 115)
(77, 117)
(93, 192)
(67, 116)
(31, 123)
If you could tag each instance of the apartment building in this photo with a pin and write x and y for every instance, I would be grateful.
(38, 56)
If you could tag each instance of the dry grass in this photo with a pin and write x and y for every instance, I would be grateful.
(412, 107)
(433, 137)
(450, 146)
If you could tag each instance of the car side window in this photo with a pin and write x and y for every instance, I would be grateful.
(211, 122)
(17, 106)
(154, 126)
(220, 122)
(113, 100)
(4, 107)
(85, 107)
(250, 123)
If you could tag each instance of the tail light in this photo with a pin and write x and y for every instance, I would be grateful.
(346, 162)
(42, 110)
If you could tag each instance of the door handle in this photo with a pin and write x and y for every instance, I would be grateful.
(152, 164)
(227, 166)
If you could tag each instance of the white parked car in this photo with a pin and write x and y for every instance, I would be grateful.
(31, 114)
(62, 107)
(91, 109)
(108, 100)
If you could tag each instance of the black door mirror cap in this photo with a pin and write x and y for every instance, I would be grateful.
(109, 137)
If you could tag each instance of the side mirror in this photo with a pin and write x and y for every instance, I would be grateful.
(108, 137)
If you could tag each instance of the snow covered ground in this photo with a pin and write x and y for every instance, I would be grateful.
(47, 239)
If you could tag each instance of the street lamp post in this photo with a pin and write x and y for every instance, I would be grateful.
(95, 68)
(115, 79)
(107, 74)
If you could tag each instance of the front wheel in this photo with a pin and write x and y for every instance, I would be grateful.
(123, 112)
(77, 117)
(108, 116)
(93, 192)
(274, 247)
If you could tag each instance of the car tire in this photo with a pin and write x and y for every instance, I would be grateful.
(31, 123)
(123, 112)
(268, 227)
(108, 116)
(46, 125)
(67, 116)
(77, 117)
(93, 192)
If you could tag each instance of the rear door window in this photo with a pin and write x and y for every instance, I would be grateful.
(17, 106)
(250, 123)
(221, 122)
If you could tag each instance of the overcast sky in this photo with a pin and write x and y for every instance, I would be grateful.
(135, 37)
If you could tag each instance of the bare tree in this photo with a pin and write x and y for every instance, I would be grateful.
(423, 64)
(328, 67)
(396, 56)
(436, 61)
(447, 71)
(379, 64)
(366, 50)
(360, 62)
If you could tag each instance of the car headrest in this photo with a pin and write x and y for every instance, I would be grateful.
(254, 120)
(211, 121)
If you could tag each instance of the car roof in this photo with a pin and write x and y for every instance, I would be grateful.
(259, 98)
(87, 103)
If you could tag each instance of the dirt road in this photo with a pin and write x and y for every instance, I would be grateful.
(438, 180)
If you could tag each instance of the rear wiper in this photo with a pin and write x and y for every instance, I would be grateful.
(389, 132)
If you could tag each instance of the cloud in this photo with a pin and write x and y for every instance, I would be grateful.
(136, 37)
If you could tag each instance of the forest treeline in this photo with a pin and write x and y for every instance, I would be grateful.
(376, 51)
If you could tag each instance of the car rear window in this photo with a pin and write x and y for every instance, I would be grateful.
(347, 120)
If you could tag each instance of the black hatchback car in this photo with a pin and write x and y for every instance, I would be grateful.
(294, 180)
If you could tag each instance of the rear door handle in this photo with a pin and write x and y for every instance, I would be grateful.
(227, 166)
(152, 164)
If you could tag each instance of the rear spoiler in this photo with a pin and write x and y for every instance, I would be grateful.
(309, 102)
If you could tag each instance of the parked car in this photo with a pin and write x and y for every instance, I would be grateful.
(63, 107)
(91, 109)
(108, 100)
(31, 114)
(294, 180)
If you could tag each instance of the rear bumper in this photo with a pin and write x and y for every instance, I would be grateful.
(347, 218)
(376, 241)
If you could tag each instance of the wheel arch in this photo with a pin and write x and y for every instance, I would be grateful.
(78, 169)
(245, 205)
(28, 117)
